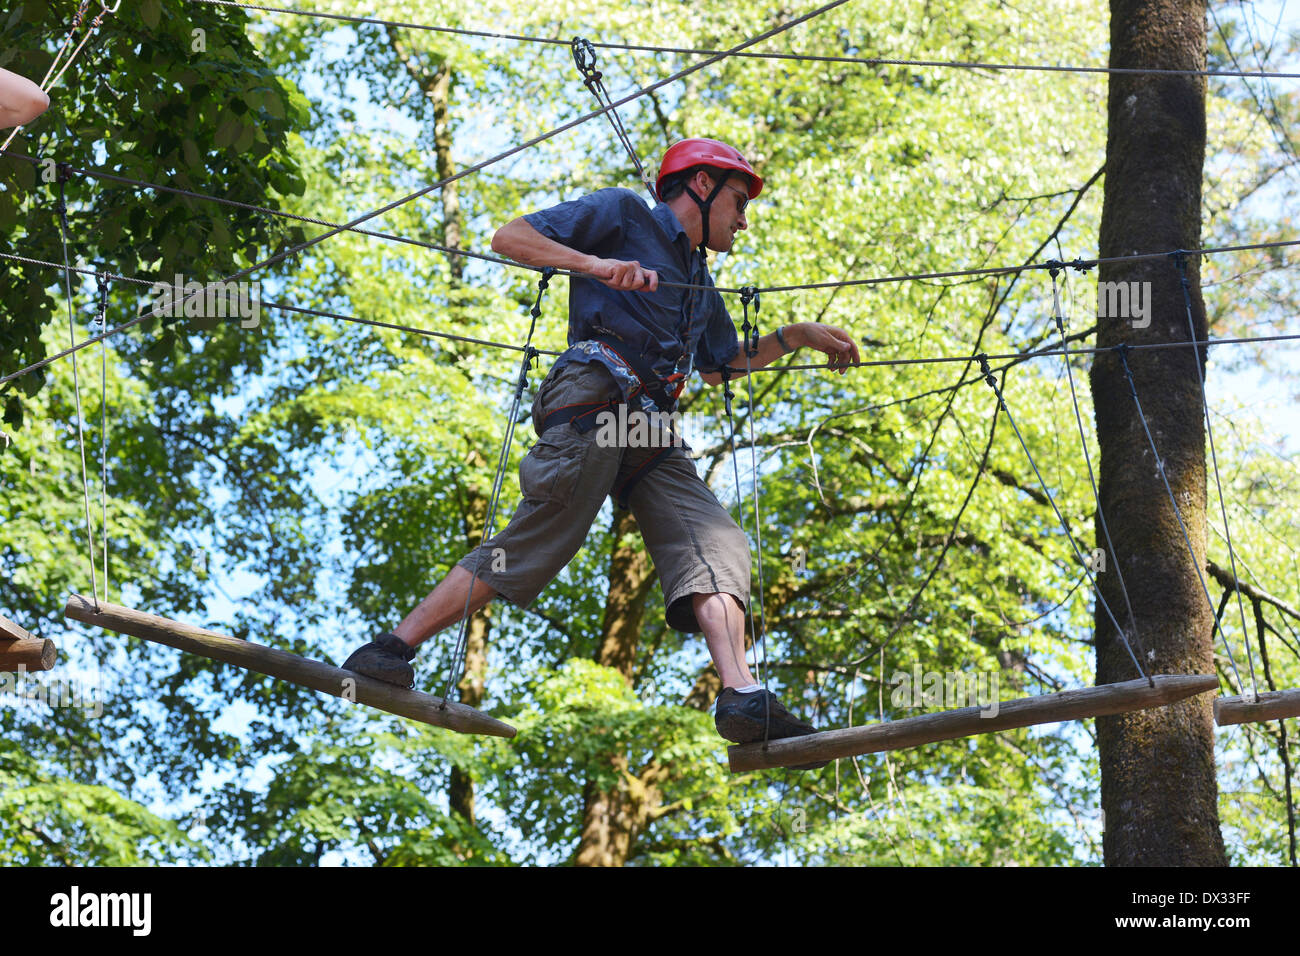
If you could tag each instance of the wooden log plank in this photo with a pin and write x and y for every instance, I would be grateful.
(9, 631)
(967, 722)
(289, 667)
(37, 654)
(1273, 705)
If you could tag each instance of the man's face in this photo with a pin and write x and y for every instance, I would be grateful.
(727, 215)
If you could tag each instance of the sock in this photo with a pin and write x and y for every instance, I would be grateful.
(748, 690)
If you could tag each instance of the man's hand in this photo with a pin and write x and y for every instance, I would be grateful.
(625, 276)
(841, 351)
(836, 343)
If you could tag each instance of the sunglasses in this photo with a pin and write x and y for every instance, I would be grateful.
(740, 207)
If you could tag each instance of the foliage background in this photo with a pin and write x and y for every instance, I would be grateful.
(306, 482)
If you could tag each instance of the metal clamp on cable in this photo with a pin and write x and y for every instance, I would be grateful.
(749, 294)
(584, 58)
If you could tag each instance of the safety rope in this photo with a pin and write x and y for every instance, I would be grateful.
(499, 157)
(584, 58)
(809, 57)
(1087, 455)
(101, 320)
(457, 669)
(1011, 358)
(62, 208)
(1180, 263)
(1101, 598)
(500, 260)
(1178, 512)
(757, 634)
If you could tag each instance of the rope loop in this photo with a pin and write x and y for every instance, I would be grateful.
(101, 287)
(1180, 263)
(749, 294)
(584, 58)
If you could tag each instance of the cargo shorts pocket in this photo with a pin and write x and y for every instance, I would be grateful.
(553, 466)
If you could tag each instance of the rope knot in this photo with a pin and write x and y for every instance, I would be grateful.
(542, 284)
(985, 371)
(727, 393)
(1180, 262)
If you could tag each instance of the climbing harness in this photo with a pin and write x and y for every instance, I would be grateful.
(585, 416)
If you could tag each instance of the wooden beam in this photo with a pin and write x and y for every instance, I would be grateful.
(1273, 705)
(37, 654)
(967, 722)
(9, 631)
(289, 667)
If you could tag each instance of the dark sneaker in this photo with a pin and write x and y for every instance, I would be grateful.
(749, 718)
(386, 658)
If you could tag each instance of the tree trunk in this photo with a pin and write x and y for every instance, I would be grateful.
(612, 820)
(1158, 787)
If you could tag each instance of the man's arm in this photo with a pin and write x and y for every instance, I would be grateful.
(521, 242)
(838, 345)
(21, 100)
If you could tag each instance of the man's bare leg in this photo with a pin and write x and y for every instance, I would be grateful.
(737, 719)
(444, 606)
(723, 623)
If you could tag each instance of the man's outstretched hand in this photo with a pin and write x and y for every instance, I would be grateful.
(841, 351)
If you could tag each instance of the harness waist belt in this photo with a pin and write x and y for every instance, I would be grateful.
(653, 385)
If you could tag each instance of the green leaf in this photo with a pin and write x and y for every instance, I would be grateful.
(227, 132)
(151, 13)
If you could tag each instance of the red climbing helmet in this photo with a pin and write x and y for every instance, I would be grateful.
(707, 152)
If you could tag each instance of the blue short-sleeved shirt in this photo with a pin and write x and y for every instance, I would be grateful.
(675, 329)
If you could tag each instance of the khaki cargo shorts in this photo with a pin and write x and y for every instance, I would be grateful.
(695, 545)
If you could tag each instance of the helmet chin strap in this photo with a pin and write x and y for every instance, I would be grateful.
(706, 207)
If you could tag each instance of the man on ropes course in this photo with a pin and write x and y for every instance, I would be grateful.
(633, 341)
